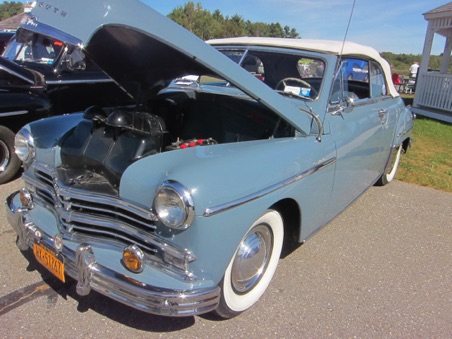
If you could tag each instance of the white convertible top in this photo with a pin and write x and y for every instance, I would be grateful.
(346, 48)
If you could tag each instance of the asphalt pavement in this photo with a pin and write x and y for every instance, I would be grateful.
(381, 269)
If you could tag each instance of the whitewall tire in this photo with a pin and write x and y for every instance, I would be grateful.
(389, 173)
(253, 265)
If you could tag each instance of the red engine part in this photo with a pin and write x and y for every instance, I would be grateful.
(183, 144)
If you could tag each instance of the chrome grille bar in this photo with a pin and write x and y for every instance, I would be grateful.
(99, 217)
(106, 204)
(108, 234)
(76, 221)
(92, 210)
(106, 210)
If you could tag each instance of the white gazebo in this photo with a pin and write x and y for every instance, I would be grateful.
(433, 96)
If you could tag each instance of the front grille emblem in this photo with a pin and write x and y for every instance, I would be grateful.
(58, 242)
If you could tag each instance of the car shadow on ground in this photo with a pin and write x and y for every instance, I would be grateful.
(54, 289)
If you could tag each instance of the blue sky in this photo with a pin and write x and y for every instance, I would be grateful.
(396, 26)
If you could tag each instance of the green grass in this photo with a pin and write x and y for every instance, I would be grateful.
(429, 161)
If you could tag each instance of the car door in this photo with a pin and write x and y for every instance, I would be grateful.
(22, 97)
(358, 131)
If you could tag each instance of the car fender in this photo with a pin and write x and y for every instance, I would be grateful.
(404, 126)
(48, 132)
(265, 173)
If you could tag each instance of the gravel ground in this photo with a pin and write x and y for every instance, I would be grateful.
(381, 269)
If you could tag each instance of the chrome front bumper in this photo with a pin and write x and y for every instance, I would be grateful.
(81, 265)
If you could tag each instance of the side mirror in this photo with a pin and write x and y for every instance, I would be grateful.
(347, 104)
(75, 61)
(343, 105)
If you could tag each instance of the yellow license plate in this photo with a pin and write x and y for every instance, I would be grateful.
(49, 260)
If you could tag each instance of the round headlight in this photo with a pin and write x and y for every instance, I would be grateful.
(24, 145)
(174, 205)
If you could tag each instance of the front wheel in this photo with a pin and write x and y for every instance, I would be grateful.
(9, 162)
(253, 265)
(391, 169)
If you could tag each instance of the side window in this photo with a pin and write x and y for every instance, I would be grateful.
(356, 69)
(351, 81)
(311, 68)
(377, 81)
(74, 60)
(301, 77)
(248, 61)
(39, 49)
(253, 65)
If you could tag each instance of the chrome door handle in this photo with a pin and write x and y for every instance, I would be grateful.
(382, 113)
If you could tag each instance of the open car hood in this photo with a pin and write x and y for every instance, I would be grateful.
(143, 50)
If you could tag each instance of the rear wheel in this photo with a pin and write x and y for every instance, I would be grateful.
(9, 162)
(252, 268)
(391, 169)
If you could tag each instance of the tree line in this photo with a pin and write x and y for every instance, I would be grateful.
(401, 62)
(199, 21)
(211, 25)
(10, 8)
(207, 25)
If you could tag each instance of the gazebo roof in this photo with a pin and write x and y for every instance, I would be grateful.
(11, 23)
(440, 9)
(441, 18)
(439, 12)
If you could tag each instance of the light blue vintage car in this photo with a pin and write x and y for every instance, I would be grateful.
(236, 150)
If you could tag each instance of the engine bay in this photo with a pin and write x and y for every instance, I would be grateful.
(99, 149)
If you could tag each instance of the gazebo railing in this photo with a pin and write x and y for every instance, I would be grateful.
(434, 90)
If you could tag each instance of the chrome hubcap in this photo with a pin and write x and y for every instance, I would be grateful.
(4, 156)
(252, 259)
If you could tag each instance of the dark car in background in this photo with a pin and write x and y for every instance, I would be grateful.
(22, 99)
(40, 77)
(4, 39)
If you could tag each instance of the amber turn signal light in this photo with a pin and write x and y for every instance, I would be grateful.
(25, 198)
(133, 258)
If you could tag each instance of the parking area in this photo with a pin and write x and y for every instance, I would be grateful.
(381, 269)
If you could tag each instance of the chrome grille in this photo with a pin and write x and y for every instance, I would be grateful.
(94, 215)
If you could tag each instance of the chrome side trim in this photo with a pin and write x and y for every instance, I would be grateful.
(7, 114)
(69, 82)
(250, 197)
(332, 107)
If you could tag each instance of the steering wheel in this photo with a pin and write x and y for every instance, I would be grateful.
(299, 81)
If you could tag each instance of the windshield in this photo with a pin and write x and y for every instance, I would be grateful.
(33, 48)
(287, 73)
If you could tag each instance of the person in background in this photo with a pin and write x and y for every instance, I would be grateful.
(396, 81)
(413, 69)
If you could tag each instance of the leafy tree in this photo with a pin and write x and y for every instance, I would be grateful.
(275, 30)
(257, 28)
(290, 32)
(207, 25)
(235, 26)
(10, 8)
